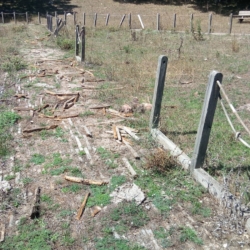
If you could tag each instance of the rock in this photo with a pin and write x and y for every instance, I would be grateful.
(247, 226)
(5, 186)
(128, 192)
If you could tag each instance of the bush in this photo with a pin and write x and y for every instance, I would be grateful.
(65, 43)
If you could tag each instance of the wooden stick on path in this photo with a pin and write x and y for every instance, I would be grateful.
(130, 168)
(81, 209)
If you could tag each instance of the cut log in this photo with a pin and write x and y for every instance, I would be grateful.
(130, 168)
(82, 207)
(95, 210)
(35, 210)
(73, 179)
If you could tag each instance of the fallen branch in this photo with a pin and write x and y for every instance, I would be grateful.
(100, 106)
(22, 109)
(130, 168)
(61, 94)
(40, 128)
(84, 181)
(119, 137)
(43, 107)
(58, 118)
(21, 96)
(35, 210)
(81, 209)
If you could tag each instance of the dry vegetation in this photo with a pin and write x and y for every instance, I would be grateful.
(177, 212)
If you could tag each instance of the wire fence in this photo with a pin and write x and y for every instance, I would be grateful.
(210, 23)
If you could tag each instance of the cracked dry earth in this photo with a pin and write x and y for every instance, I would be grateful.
(43, 104)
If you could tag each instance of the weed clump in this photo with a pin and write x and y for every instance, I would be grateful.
(65, 43)
(160, 162)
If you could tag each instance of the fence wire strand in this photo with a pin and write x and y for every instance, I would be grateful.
(237, 134)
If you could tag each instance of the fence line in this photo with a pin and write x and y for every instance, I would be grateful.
(195, 164)
(161, 23)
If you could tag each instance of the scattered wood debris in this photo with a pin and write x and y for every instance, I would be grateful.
(85, 181)
(130, 168)
(18, 96)
(134, 153)
(2, 232)
(35, 210)
(117, 113)
(101, 106)
(82, 207)
(22, 109)
(95, 210)
(88, 133)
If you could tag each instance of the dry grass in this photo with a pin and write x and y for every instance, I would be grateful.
(160, 162)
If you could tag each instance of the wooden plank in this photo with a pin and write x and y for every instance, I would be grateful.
(206, 120)
(181, 157)
(158, 92)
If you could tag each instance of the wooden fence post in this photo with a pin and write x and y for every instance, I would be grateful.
(107, 19)
(174, 22)
(83, 44)
(123, 17)
(230, 23)
(51, 23)
(210, 23)
(129, 21)
(74, 18)
(158, 22)
(77, 41)
(55, 14)
(191, 22)
(84, 19)
(206, 120)
(65, 17)
(27, 18)
(158, 92)
(95, 19)
(39, 18)
(14, 16)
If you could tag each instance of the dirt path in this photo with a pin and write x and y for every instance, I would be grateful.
(58, 96)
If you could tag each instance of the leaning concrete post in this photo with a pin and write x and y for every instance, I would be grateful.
(206, 120)
(158, 92)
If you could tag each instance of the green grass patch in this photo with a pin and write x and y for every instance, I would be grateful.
(188, 233)
(99, 196)
(31, 235)
(73, 188)
(108, 156)
(37, 159)
(116, 181)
